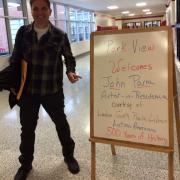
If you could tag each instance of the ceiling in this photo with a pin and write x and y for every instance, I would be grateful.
(157, 7)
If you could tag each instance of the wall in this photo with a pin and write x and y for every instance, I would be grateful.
(175, 11)
(104, 20)
(171, 20)
(119, 24)
(80, 47)
(171, 13)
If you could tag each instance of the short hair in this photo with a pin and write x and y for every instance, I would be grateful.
(47, 1)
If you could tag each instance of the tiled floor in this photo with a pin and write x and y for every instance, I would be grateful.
(128, 164)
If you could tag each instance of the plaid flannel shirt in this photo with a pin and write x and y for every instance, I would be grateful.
(44, 58)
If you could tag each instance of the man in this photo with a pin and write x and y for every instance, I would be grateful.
(40, 45)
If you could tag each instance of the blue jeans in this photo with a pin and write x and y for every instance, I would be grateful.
(29, 110)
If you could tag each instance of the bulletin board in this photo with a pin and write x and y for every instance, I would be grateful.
(131, 88)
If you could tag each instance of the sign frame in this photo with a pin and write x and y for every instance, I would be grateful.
(170, 64)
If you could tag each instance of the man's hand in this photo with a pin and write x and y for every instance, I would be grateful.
(73, 77)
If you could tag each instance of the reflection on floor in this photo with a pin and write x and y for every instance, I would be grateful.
(128, 164)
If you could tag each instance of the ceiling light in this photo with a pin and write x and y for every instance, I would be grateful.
(146, 10)
(11, 4)
(140, 4)
(113, 7)
(131, 14)
(125, 12)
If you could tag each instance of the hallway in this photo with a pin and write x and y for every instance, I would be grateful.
(128, 164)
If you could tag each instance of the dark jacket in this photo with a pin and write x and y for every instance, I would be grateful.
(23, 50)
(44, 58)
(6, 78)
(7, 81)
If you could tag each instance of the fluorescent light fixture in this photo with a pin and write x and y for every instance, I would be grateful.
(11, 4)
(125, 12)
(146, 10)
(131, 14)
(113, 7)
(141, 4)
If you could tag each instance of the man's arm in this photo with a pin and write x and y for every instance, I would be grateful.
(15, 60)
(68, 56)
(69, 61)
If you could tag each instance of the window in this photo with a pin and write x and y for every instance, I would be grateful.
(77, 23)
(138, 24)
(61, 12)
(93, 27)
(4, 49)
(73, 33)
(80, 31)
(147, 23)
(72, 14)
(61, 25)
(156, 23)
(87, 31)
(1, 8)
(82, 22)
(11, 18)
(61, 17)
(87, 16)
(152, 23)
(79, 15)
(15, 12)
(15, 8)
(92, 17)
(14, 26)
(132, 25)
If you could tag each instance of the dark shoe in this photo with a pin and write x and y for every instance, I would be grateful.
(22, 173)
(72, 165)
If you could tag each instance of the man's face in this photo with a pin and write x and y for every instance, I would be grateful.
(40, 12)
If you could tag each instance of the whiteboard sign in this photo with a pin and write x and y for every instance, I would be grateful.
(129, 83)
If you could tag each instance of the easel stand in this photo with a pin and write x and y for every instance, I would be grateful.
(93, 156)
(176, 108)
